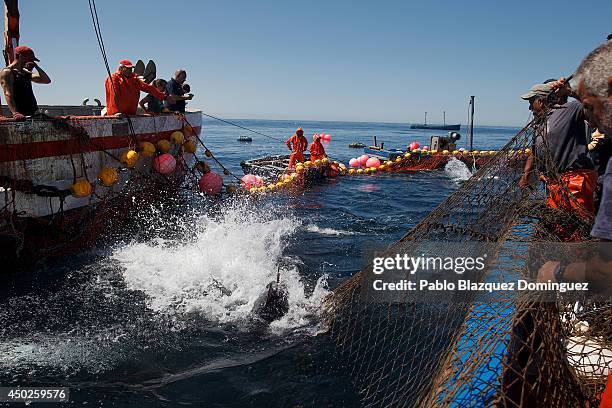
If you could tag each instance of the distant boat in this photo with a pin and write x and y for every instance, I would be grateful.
(438, 127)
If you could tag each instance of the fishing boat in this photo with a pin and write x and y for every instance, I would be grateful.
(356, 145)
(443, 126)
(245, 139)
(52, 197)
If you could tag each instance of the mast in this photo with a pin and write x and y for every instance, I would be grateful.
(425, 118)
(11, 33)
(444, 117)
(471, 136)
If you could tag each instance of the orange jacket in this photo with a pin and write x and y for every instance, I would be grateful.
(317, 151)
(128, 93)
(299, 143)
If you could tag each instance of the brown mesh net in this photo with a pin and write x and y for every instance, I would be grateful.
(512, 350)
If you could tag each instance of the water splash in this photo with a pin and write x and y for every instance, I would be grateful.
(221, 271)
(457, 170)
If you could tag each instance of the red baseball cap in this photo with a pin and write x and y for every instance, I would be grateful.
(27, 52)
(126, 63)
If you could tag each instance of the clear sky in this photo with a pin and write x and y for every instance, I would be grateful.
(386, 61)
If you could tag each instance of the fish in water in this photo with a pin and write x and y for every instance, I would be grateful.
(273, 303)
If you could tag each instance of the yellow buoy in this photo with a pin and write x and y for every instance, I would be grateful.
(271, 186)
(382, 167)
(108, 176)
(262, 189)
(253, 190)
(475, 152)
(399, 159)
(129, 158)
(373, 169)
(351, 171)
(279, 184)
(190, 146)
(416, 151)
(445, 152)
(455, 151)
(287, 180)
(520, 151)
(527, 151)
(81, 188)
(407, 155)
(359, 171)
(177, 137)
(317, 162)
(325, 160)
(307, 163)
(147, 149)
(163, 146)
(388, 162)
(434, 151)
(299, 168)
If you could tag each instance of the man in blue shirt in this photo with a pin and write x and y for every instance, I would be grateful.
(174, 88)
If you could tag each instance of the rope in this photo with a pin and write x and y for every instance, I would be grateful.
(206, 149)
(242, 127)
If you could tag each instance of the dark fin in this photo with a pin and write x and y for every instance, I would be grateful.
(273, 303)
(150, 72)
(139, 68)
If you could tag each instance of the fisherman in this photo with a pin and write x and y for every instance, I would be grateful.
(297, 144)
(594, 89)
(123, 90)
(150, 104)
(16, 80)
(317, 151)
(176, 88)
(566, 137)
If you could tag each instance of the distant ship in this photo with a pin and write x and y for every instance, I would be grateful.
(439, 127)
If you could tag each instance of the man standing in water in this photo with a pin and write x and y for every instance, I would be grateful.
(16, 80)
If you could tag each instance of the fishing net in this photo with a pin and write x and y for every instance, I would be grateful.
(511, 349)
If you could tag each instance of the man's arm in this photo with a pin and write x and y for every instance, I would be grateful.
(6, 80)
(142, 103)
(144, 87)
(40, 77)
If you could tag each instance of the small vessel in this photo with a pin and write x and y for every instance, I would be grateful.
(245, 139)
(443, 126)
(357, 145)
(386, 154)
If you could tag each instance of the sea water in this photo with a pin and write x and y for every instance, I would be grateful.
(164, 316)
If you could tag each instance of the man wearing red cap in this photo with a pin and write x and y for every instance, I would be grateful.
(123, 90)
(16, 80)
(297, 144)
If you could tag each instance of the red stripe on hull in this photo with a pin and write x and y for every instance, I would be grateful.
(38, 150)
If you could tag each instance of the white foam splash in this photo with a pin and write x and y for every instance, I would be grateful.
(221, 273)
(327, 231)
(457, 170)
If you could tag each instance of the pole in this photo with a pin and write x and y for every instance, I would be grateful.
(471, 137)
(425, 118)
(11, 27)
(444, 117)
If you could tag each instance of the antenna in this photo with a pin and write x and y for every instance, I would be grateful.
(471, 136)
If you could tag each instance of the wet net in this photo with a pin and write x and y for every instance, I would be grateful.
(510, 350)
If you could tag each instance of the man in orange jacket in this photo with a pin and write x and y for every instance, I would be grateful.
(123, 90)
(297, 144)
(317, 151)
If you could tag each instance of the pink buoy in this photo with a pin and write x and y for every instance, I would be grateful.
(414, 145)
(363, 159)
(259, 182)
(373, 162)
(248, 181)
(211, 183)
(354, 162)
(425, 148)
(164, 163)
(327, 138)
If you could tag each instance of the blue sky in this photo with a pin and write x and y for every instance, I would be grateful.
(386, 61)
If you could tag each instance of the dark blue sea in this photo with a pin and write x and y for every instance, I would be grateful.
(162, 316)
